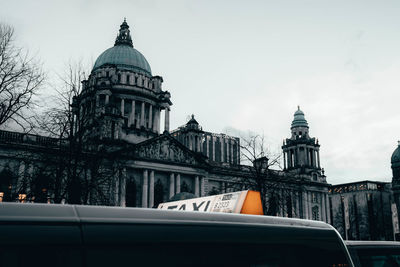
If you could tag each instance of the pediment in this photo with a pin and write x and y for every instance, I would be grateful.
(166, 148)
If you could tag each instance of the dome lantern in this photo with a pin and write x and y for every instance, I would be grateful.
(124, 36)
(299, 119)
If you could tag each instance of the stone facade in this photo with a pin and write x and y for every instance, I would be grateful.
(362, 210)
(130, 161)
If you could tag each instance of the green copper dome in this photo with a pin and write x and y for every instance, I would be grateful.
(396, 156)
(123, 55)
(299, 120)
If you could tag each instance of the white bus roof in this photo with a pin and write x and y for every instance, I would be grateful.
(17, 212)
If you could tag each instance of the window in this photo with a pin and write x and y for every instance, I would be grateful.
(315, 213)
(130, 198)
(113, 130)
(158, 193)
(185, 187)
(314, 198)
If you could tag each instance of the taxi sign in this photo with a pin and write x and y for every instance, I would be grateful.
(245, 202)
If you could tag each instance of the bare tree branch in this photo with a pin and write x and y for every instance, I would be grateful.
(20, 79)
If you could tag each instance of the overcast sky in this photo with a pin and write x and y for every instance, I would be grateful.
(248, 64)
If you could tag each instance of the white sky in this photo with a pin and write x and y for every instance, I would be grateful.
(248, 64)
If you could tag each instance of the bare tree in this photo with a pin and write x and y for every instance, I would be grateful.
(260, 177)
(82, 170)
(57, 120)
(20, 79)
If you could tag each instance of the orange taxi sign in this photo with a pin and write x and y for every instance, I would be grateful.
(244, 202)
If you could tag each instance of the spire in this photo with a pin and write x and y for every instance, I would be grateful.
(124, 36)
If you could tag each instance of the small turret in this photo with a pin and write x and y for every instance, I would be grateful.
(301, 152)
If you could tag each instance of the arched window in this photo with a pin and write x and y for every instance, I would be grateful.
(130, 196)
(158, 193)
(315, 213)
(314, 176)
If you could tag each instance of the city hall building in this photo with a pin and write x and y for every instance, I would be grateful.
(119, 113)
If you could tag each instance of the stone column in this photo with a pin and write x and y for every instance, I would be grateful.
(208, 146)
(97, 101)
(144, 189)
(151, 189)
(150, 116)
(122, 107)
(297, 195)
(213, 148)
(221, 140)
(196, 186)
(323, 207)
(107, 99)
(309, 200)
(21, 174)
(171, 185)
(132, 115)
(230, 152)
(284, 159)
(305, 205)
(319, 163)
(116, 197)
(328, 209)
(122, 186)
(177, 183)
(238, 153)
(156, 120)
(142, 115)
(190, 144)
(198, 144)
(314, 158)
(202, 183)
(283, 204)
(166, 124)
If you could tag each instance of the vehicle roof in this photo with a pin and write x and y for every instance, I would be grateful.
(374, 244)
(17, 212)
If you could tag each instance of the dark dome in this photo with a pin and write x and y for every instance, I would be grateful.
(396, 156)
(299, 120)
(123, 55)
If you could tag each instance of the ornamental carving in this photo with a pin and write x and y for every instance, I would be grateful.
(165, 150)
